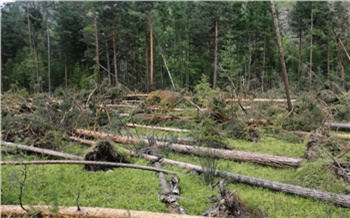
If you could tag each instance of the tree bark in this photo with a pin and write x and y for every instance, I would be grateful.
(79, 162)
(151, 53)
(215, 53)
(97, 51)
(41, 150)
(15, 210)
(114, 38)
(346, 52)
(284, 69)
(299, 58)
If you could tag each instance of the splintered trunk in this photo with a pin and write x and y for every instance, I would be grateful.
(97, 51)
(114, 38)
(311, 44)
(65, 70)
(147, 69)
(284, 69)
(108, 63)
(151, 54)
(215, 53)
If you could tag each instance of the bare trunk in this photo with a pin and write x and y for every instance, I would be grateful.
(97, 51)
(108, 63)
(215, 53)
(311, 45)
(48, 52)
(328, 61)
(131, 125)
(338, 126)
(147, 70)
(41, 150)
(151, 54)
(284, 69)
(299, 58)
(65, 70)
(30, 46)
(346, 52)
(15, 211)
(115, 57)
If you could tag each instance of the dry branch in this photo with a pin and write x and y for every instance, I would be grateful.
(119, 139)
(41, 150)
(14, 210)
(335, 135)
(122, 165)
(167, 129)
(136, 95)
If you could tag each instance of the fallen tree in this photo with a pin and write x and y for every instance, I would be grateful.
(343, 200)
(167, 129)
(41, 151)
(46, 211)
(335, 135)
(258, 100)
(338, 126)
(264, 159)
(167, 196)
(104, 163)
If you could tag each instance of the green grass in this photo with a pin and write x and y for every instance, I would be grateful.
(139, 190)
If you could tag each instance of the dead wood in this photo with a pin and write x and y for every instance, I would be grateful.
(338, 126)
(259, 100)
(264, 159)
(46, 211)
(342, 200)
(104, 151)
(335, 135)
(341, 170)
(344, 151)
(41, 151)
(156, 118)
(167, 129)
(118, 139)
(167, 196)
(136, 95)
(229, 205)
(80, 162)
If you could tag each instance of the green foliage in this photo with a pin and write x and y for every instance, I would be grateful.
(164, 98)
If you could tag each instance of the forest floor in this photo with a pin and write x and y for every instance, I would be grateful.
(214, 120)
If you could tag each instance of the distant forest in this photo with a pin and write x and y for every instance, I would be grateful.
(170, 45)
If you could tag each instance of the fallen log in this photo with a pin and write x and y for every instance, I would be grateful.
(259, 100)
(166, 196)
(338, 126)
(118, 139)
(136, 95)
(167, 129)
(74, 162)
(41, 150)
(154, 118)
(335, 135)
(263, 159)
(96, 212)
(342, 200)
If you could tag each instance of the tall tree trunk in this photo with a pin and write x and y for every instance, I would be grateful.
(284, 69)
(97, 51)
(65, 70)
(37, 60)
(48, 52)
(147, 69)
(328, 61)
(108, 63)
(311, 44)
(299, 58)
(31, 47)
(151, 53)
(115, 56)
(215, 53)
(246, 89)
